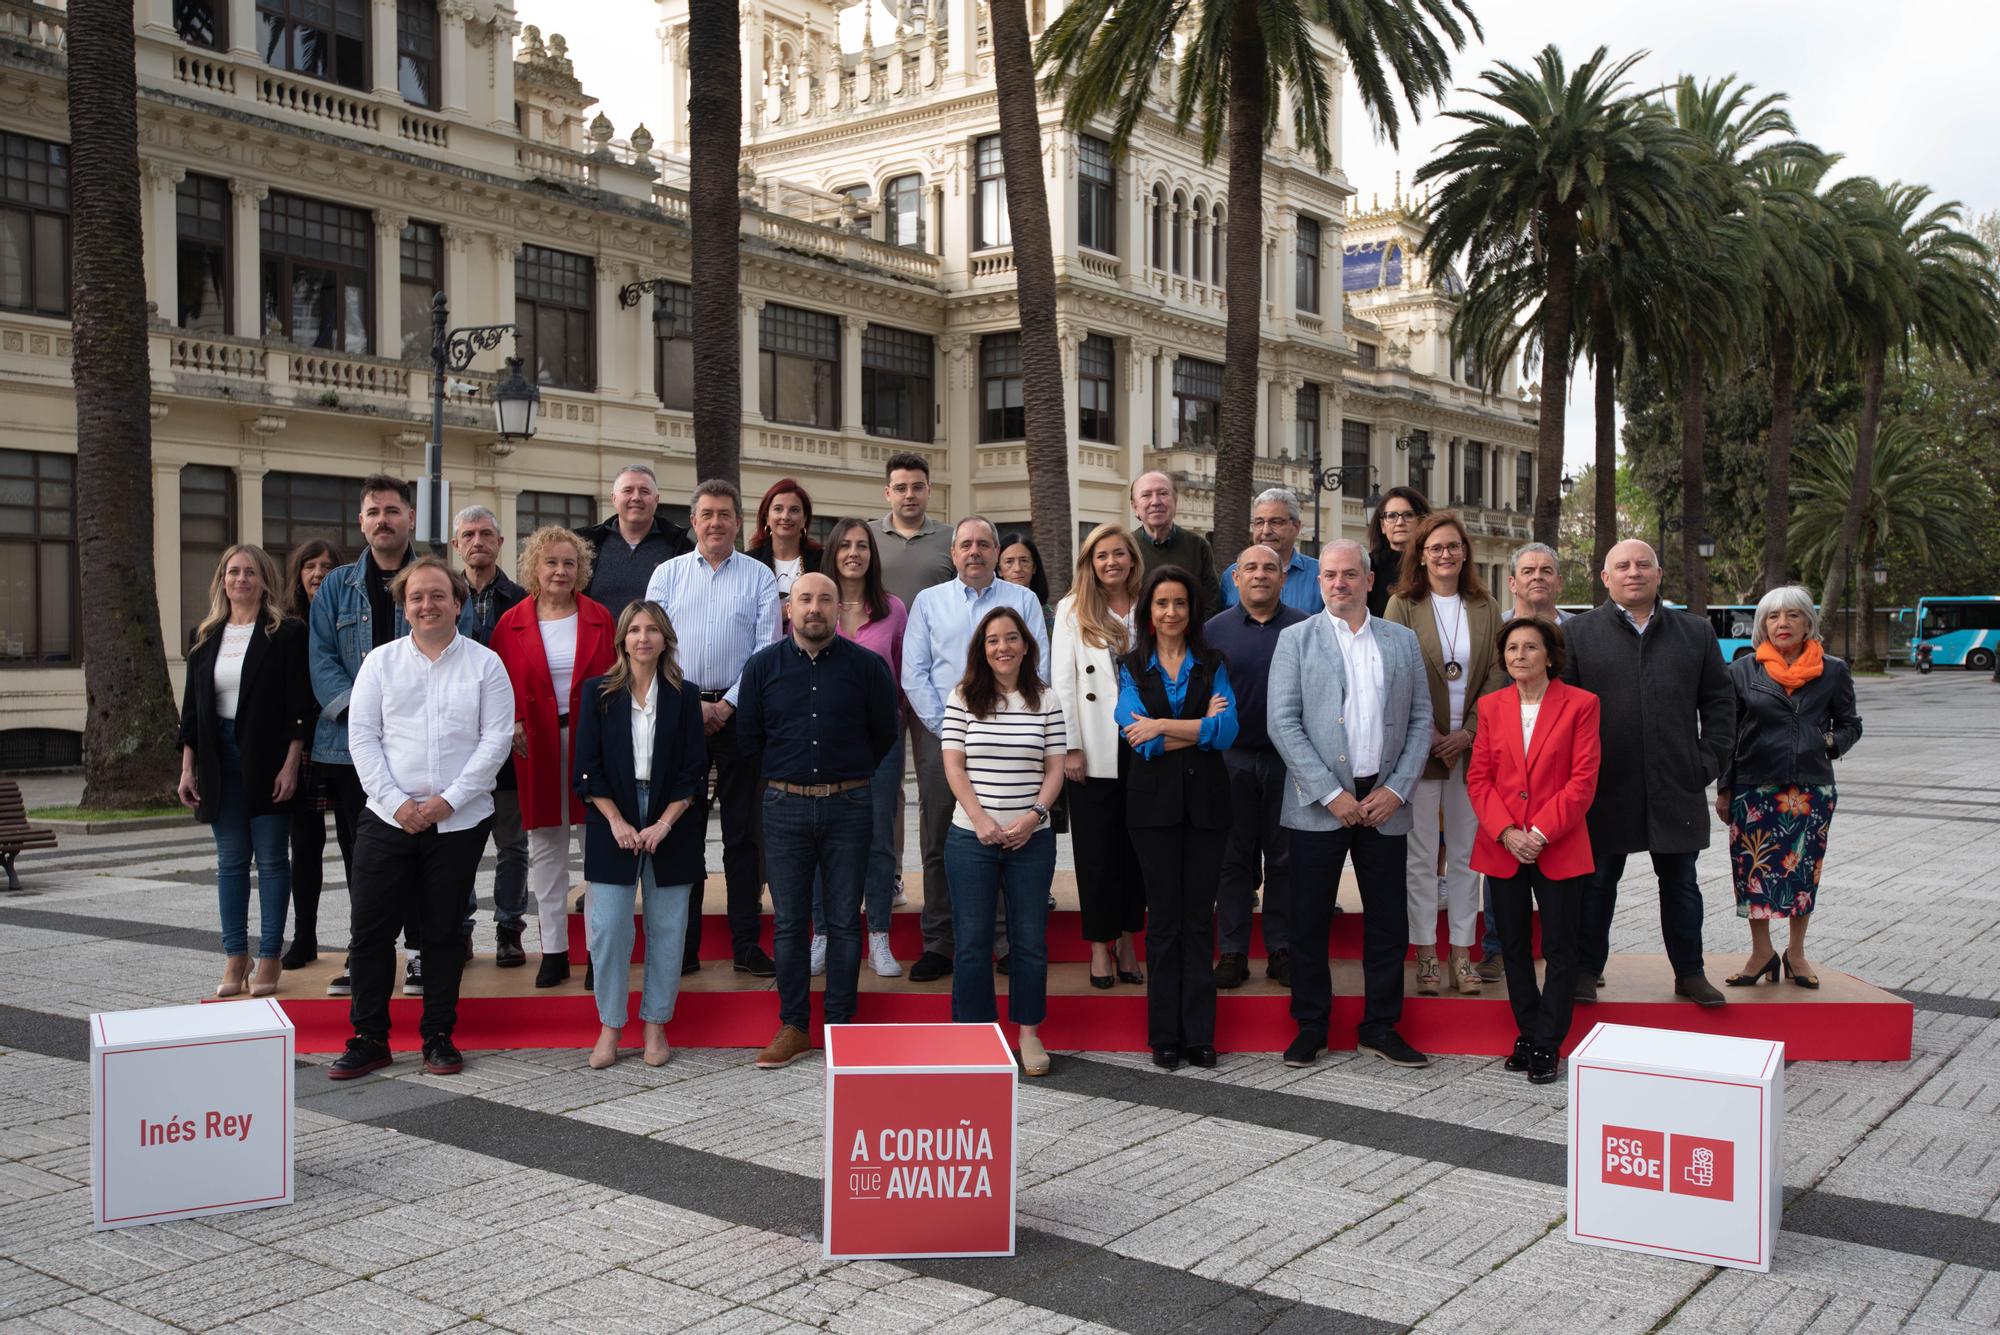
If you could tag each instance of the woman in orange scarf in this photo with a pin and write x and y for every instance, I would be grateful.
(1794, 716)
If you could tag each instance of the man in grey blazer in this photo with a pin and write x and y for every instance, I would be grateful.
(1350, 715)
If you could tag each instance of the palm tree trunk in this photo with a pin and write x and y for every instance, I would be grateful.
(129, 755)
(1867, 658)
(1778, 470)
(1243, 334)
(1042, 390)
(1694, 496)
(715, 215)
(1864, 469)
(1604, 352)
(1558, 314)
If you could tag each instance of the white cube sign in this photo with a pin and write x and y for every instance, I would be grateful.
(190, 1111)
(1674, 1144)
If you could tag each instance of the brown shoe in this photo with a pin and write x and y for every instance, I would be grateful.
(1585, 993)
(1490, 970)
(789, 1045)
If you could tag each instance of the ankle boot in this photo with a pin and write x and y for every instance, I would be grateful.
(554, 969)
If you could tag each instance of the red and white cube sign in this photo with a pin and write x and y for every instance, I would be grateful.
(1674, 1144)
(919, 1141)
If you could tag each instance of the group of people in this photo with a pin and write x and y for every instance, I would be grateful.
(1215, 742)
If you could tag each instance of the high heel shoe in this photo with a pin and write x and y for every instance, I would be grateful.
(657, 1052)
(1769, 969)
(1132, 976)
(1103, 981)
(235, 968)
(264, 983)
(1806, 980)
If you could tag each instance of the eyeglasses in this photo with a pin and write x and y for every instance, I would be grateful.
(1398, 516)
(1445, 549)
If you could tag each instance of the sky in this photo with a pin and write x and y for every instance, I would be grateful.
(1904, 90)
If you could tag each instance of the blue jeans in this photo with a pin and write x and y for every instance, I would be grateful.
(879, 890)
(981, 874)
(1489, 942)
(607, 928)
(803, 838)
(237, 833)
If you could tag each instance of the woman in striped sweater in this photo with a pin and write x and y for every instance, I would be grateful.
(1003, 741)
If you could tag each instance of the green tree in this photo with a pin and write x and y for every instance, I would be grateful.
(1239, 57)
(715, 219)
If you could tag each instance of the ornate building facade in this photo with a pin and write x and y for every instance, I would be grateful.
(314, 172)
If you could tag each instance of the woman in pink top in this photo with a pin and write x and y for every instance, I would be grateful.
(874, 619)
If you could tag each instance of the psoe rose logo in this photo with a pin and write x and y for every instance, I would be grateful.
(1699, 1166)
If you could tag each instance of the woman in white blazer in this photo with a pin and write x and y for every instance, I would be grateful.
(1093, 627)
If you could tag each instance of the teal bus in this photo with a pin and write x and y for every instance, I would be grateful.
(1962, 632)
(1732, 622)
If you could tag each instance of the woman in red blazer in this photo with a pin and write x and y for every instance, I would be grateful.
(1532, 776)
(551, 642)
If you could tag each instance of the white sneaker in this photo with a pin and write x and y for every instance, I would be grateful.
(900, 899)
(880, 959)
(818, 956)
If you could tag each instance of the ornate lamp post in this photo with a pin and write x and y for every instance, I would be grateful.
(516, 401)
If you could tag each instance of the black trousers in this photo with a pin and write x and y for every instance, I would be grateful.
(1541, 1014)
(1181, 867)
(343, 785)
(308, 868)
(1259, 850)
(1110, 888)
(738, 790)
(421, 880)
(1317, 856)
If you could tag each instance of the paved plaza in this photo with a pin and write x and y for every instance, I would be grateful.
(533, 1194)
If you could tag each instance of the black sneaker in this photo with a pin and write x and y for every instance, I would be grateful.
(1391, 1048)
(342, 985)
(413, 976)
(756, 963)
(1278, 968)
(1305, 1049)
(441, 1058)
(362, 1056)
(930, 967)
(690, 967)
(1232, 970)
(1518, 1059)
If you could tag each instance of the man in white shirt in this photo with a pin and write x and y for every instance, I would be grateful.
(1349, 712)
(724, 607)
(429, 722)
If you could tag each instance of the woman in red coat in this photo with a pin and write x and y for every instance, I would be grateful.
(551, 642)
(1532, 776)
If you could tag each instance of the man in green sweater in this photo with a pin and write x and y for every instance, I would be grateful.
(1162, 542)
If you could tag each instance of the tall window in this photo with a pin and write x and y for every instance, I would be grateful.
(1095, 419)
(1524, 481)
(555, 310)
(1366, 356)
(318, 273)
(422, 280)
(1096, 194)
(1472, 459)
(1198, 252)
(1002, 416)
(1305, 439)
(417, 51)
(326, 39)
(1354, 452)
(1306, 261)
(201, 261)
(1159, 227)
(1216, 272)
(1420, 474)
(989, 198)
(38, 604)
(673, 352)
(1178, 242)
(1197, 401)
(208, 528)
(539, 509)
(897, 370)
(299, 507)
(903, 211)
(34, 225)
(201, 22)
(799, 356)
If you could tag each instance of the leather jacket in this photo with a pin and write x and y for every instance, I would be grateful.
(1783, 738)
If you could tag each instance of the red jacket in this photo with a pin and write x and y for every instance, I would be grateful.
(1549, 789)
(517, 638)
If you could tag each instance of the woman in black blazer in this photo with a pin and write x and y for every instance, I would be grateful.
(640, 759)
(783, 537)
(305, 570)
(245, 715)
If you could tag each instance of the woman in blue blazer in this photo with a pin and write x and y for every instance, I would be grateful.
(640, 758)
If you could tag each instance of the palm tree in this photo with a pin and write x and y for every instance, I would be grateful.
(1239, 56)
(129, 755)
(1044, 407)
(1913, 500)
(1557, 156)
(715, 217)
(1914, 278)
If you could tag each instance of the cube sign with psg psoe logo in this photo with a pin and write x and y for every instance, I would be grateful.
(919, 1141)
(1674, 1144)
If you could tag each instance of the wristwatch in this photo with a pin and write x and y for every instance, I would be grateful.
(1039, 810)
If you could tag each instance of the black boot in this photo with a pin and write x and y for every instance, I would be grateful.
(554, 969)
(508, 954)
(304, 950)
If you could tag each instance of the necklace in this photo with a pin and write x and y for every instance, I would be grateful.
(1453, 669)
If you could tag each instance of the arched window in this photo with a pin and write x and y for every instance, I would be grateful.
(1159, 227)
(1197, 252)
(1180, 230)
(1216, 250)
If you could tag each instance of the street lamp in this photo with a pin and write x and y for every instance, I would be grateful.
(1705, 544)
(516, 400)
(1344, 477)
(1881, 571)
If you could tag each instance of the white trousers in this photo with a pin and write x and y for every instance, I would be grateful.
(1447, 799)
(548, 864)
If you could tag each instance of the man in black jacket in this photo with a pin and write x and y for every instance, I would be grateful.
(632, 543)
(1668, 724)
(475, 534)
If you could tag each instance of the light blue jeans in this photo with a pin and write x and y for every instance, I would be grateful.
(878, 890)
(237, 834)
(607, 926)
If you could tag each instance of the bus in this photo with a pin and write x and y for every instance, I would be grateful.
(1962, 632)
(1732, 622)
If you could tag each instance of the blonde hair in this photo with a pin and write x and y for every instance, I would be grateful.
(1099, 626)
(619, 678)
(272, 613)
(537, 546)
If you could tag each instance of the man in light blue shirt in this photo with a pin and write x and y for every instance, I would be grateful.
(1275, 523)
(935, 645)
(724, 607)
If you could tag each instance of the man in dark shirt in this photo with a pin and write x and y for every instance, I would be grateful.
(1247, 634)
(631, 544)
(815, 715)
(1162, 542)
(475, 535)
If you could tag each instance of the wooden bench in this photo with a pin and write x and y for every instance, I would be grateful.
(16, 834)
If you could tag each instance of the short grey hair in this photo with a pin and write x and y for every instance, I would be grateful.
(471, 513)
(991, 527)
(1284, 496)
(1777, 600)
(647, 469)
(1366, 564)
(1531, 549)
